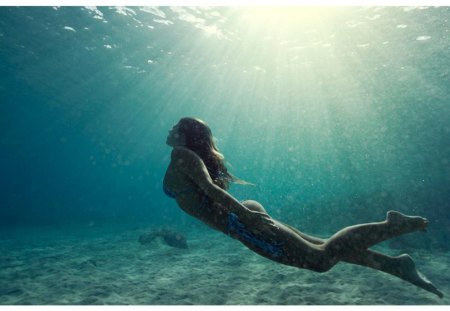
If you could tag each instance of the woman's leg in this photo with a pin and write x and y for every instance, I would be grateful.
(401, 266)
(353, 239)
(363, 236)
(299, 250)
(359, 237)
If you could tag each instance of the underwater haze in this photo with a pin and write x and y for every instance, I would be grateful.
(336, 114)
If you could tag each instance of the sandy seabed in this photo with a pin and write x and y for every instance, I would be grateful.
(95, 266)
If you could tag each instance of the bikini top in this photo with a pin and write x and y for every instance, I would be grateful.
(174, 194)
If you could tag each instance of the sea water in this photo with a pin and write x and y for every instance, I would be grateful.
(335, 114)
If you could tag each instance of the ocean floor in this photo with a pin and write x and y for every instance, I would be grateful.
(91, 266)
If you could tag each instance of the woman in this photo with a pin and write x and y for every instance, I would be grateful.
(198, 179)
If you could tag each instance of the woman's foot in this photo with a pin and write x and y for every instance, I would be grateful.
(409, 273)
(410, 223)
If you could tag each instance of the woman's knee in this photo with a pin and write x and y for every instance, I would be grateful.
(253, 206)
(323, 266)
(320, 266)
(319, 261)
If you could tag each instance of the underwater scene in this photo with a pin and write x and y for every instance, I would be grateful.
(333, 115)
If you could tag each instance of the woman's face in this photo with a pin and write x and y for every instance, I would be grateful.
(175, 138)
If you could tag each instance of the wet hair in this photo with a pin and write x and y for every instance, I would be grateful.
(199, 139)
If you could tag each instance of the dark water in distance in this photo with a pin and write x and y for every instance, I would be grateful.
(336, 115)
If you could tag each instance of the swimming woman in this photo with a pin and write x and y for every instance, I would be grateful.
(198, 179)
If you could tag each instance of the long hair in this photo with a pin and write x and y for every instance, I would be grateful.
(199, 139)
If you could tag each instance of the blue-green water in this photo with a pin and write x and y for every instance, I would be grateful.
(336, 114)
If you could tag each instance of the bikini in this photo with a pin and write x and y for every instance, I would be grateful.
(275, 250)
(170, 193)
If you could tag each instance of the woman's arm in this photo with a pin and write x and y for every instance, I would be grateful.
(190, 164)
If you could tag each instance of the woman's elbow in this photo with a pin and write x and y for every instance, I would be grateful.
(211, 190)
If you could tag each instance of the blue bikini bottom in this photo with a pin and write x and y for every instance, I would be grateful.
(275, 250)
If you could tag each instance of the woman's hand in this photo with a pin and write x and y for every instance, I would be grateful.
(259, 222)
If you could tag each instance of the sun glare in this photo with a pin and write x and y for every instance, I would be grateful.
(287, 16)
